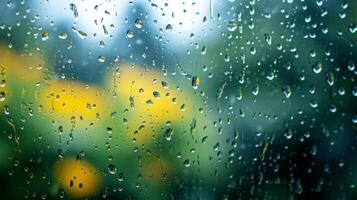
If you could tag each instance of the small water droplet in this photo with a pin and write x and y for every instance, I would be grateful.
(267, 38)
(82, 34)
(195, 82)
(232, 26)
(203, 50)
(138, 23)
(45, 36)
(168, 27)
(120, 177)
(112, 169)
(62, 36)
(101, 44)
(352, 28)
(60, 130)
(255, 90)
(186, 163)
(317, 68)
(168, 134)
(286, 91)
(2, 96)
(101, 58)
(129, 34)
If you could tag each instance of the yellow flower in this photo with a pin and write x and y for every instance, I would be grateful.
(73, 101)
(20, 74)
(22, 67)
(150, 99)
(78, 178)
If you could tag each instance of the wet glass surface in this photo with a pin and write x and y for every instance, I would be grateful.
(159, 99)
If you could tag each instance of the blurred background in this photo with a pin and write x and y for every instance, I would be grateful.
(159, 99)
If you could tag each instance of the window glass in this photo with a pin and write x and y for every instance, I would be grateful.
(179, 99)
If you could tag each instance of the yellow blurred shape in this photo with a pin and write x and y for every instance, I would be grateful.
(71, 99)
(22, 67)
(78, 178)
(150, 98)
(17, 69)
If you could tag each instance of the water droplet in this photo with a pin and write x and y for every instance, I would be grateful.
(101, 58)
(313, 104)
(286, 91)
(62, 36)
(73, 8)
(149, 102)
(195, 82)
(81, 34)
(255, 90)
(131, 101)
(112, 169)
(354, 118)
(138, 23)
(168, 27)
(168, 134)
(317, 68)
(288, 134)
(60, 130)
(267, 38)
(101, 44)
(352, 28)
(45, 36)
(186, 163)
(232, 26)
(164, 84)
(333, 108)
(156, 94)
(203, 50)
(129, 34)
(120, 177)
(329, 78)
(2, 96)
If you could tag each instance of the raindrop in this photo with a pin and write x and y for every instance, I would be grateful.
(354, 118)
(186, 163)
(164, 84)
(60, 130)
(82, 34)
(101, 44)
(156, 94)
(203, 50)
(2, 96)
(352, 28)
(195, 82)
(120, 177)
(232, 26)
(267, 38)
(286, 91)
(168, 134)
(112, 169)
(255, 90)
(168, 27)
(138, 23)
(62, 36)
(129, 34)
(101, 58)
(73, 8)
(45, 36)
(317, 68)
